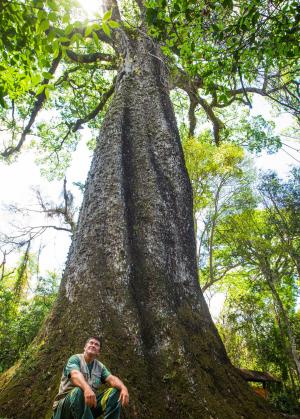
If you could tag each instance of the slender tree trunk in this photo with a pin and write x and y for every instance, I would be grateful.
(284, 345)
(131, 274)
(211, 238)
(284, 323)
(284, 233)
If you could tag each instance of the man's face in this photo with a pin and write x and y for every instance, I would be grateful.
(92, 347)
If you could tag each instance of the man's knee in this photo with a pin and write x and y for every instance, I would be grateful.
(114, 395)
(111, 397)
(77, 394)
(115, 392)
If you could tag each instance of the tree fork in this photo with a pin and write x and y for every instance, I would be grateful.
(131, 273)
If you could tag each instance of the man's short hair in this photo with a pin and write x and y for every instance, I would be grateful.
(98, 338)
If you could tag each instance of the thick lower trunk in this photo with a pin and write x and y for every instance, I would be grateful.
(131, 274)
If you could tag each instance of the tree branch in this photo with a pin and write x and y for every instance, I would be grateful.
(112, 4)
(19, 284)
(218, 125)
(95, 111)
(89, 58)
(65, 209)
(2, 266)
(80, 121)
(183, 81)
(192, 116)
(141, 5)
(36, 108)
(243, 87)
(218, 278)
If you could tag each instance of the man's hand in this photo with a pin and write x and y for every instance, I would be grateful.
(90, 398)
(114, 381)
(124, 396)
(79, 381)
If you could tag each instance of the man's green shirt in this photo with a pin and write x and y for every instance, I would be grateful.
(74, 364)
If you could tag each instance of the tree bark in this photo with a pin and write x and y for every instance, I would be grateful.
(131, 273)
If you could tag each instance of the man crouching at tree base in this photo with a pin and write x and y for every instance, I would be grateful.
(81, 379)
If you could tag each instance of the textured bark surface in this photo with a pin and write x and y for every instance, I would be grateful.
(131, 273)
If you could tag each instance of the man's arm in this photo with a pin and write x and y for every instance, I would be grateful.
(114, 381)
(79, 381)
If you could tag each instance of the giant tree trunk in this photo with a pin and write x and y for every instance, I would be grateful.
(131, 273)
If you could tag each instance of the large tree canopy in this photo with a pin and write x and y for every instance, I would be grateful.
(131, 272)
(219, 53)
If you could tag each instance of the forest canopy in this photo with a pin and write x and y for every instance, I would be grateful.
(218, 53)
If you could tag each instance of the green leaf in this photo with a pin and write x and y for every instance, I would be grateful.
(41, 14)
(35, 78)
(88, 31)
(228, 3)
(107, 15)
(2, 101)
(40, 89)
(51, 35)
(44, 25)
(47, 75)
(66, 18)
(53, 5)
(96, 39)
(56, 50)
(76, 37)
(113, 24)
(63, 39)
(106, 29)
(47, 94)
(91, 28)
(52, 16)
(223, 97)
(69, 29)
